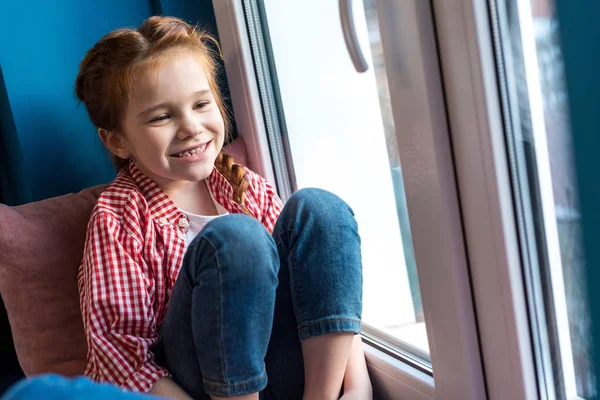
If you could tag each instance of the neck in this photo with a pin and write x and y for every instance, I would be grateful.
(194, 198)
(191, 196)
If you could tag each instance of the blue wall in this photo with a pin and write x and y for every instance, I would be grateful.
(48, 146)
(12, 168)
(41, 46)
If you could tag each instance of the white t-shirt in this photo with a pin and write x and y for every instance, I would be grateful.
(197, 222)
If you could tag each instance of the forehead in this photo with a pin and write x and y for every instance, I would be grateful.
(174, 75)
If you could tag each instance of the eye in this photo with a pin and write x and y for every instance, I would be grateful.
(162, 117)
(201, 105)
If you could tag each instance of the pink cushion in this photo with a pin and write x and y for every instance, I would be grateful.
(41, 245)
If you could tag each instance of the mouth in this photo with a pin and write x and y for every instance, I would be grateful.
(192, 151)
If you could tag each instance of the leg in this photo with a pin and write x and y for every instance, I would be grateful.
(215, 334)
(319, 299)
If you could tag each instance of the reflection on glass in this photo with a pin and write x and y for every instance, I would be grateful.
(544, 183)
(564, 188)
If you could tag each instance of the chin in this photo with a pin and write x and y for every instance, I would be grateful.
(200, 172)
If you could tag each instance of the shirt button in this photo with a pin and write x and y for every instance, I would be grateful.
(183, 222)
(163, 221)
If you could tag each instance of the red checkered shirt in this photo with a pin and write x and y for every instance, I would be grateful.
(133, 253)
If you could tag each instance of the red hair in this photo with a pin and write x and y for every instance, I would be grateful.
(108, 72)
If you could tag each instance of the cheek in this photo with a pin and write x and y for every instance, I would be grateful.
(220, 130)
(216, 122)
(151, 146)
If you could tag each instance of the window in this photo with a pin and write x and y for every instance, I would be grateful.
(544, 185)
(342, 138)
(460, 127)
(506, 100)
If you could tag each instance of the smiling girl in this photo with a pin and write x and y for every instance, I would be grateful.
(196, 280)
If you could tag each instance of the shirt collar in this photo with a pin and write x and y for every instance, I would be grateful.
(161, 205)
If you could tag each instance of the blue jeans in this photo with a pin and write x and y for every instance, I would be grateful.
(244, 300)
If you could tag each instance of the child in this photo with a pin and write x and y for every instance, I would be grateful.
(196, 280)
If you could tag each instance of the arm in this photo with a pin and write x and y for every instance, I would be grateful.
(117, 309)
(357, 384)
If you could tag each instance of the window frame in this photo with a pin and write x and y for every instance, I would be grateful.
(243, 85)
(472, 93)
(408, 35)
(473, 90)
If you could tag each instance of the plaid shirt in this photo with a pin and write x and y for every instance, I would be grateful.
(133, 253)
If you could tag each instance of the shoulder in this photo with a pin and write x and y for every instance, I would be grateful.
(122, 205)
(120, 195)
(262, 200)
(257, 185)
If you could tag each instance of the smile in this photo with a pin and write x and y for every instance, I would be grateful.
(189, 153)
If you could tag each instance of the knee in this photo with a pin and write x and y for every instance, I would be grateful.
(319, 205)
(234, 227)
(241, 244)
(238, 232)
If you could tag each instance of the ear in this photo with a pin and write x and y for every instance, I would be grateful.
(115, 143)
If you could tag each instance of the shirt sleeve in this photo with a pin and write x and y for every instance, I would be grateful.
(272, 208)
(269, 203)
(116, 307)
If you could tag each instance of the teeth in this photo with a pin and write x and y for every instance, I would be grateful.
(193, 151)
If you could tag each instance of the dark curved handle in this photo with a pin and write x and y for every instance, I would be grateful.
(352, 44)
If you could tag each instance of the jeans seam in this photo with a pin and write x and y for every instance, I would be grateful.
(221, 341)
(307, 324)
(295, 287)
(233, 385)
(222, 347)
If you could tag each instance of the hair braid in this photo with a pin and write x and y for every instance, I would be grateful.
(234, 174)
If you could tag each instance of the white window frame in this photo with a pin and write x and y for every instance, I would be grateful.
(412, 66)
(478, 136)
(471, 86)
(243, 86)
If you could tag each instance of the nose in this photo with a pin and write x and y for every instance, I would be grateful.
(190, 126)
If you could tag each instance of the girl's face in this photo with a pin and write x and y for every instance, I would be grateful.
(173, 127)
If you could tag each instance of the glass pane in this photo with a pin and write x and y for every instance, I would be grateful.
(544, 185)
(342, 138)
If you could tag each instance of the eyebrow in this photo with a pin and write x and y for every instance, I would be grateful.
(164, 105)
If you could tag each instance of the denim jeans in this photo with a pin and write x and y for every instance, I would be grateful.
(244, 299)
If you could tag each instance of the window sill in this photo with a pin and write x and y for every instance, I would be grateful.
(393, 379)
